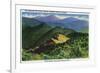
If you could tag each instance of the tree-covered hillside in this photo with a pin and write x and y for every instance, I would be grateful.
(37, 43)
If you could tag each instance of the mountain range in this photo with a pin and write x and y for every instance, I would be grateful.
(70, 22)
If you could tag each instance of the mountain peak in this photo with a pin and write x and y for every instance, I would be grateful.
(70, 19)
(50, 18)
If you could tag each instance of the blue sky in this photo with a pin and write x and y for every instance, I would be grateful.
(60, 15)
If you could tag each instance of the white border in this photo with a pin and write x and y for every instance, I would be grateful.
(29, 66)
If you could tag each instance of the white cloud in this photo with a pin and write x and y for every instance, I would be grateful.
(82, 18)
(61, 17)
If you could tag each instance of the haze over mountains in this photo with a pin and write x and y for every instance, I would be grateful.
(51, 20)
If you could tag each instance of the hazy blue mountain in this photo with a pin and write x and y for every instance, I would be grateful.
(68, 20)
(76, 24)
(71, 22)
(47, 19)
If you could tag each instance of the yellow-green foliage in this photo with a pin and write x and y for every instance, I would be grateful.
(60, 39)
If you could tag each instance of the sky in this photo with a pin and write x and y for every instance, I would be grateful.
(60, 15)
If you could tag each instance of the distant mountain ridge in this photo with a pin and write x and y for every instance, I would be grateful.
(70, 22)
(50, 18)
